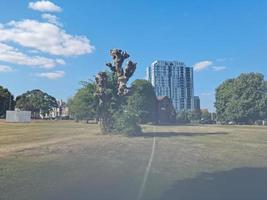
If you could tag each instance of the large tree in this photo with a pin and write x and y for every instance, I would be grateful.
(143, 101)
(111, 91)
(242, 99)
(36, 101)
(84, 105)
(6, 101)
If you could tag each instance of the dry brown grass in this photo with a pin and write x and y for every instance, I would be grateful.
(49, 155)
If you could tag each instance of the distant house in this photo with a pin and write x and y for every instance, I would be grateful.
(62, 111)
(166, 111)
(59, 112)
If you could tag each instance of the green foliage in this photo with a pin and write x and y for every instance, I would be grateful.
(36, 101)
(242, 100)
(195, 116)
(121, 113)
(6, 101)
(84, 105)
(166, 113)
(117, 116)
(118, 119)
(205, 115)
(126, 122)
(142, 101)
(182, 117)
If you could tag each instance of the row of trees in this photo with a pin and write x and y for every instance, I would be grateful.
(139, 106)
(242, 100)
(196, 116)
(140, 103)
(36, 101)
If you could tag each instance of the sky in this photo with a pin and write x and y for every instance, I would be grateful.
(53, 45)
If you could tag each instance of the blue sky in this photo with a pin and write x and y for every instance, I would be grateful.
(54, 46)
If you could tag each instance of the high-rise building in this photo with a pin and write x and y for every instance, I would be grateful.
(196, 103)
(175, 80)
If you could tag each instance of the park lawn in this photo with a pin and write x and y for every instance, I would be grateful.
(72, 160)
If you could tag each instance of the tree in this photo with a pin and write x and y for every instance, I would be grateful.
(242, 99)
(117, 116)
(205, 115)
(83, 105)
(166, 113)
(126, 121)
(6, 101)
(111, 91)
(195, 116)
(143, 101)
(37, 102)
(223, 97)
(182, 117)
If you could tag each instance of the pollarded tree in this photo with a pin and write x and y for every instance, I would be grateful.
(111, 91)
(6, 101)
(36, 101)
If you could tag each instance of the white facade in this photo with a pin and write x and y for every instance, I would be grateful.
(175, 80)
(60, 111)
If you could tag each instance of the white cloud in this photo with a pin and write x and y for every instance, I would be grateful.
(218, 68)
(4, 69)
(45, 37)
(13, 55)
(202, 65)
(52, 75)
(44, 6)
(40, 44)
(51, 19)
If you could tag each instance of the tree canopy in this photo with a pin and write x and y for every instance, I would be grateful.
(83, 105)
(243, 99)
(119, 117)
(36, 101)
(122, 112)
(143, 101)
(6, 101)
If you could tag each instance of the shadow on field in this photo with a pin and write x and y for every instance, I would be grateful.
(237, 184)
(175, 134)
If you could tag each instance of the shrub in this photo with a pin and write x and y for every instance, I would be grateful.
(126, 123)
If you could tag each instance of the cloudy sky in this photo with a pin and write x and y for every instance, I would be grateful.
(53, 45)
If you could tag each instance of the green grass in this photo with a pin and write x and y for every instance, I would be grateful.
(45, 158)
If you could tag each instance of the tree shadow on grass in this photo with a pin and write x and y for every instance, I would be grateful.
(175, 134)
(237, 184)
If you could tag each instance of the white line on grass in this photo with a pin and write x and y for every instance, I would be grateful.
(142, 188)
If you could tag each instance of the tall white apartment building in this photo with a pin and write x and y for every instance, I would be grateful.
(175, 80)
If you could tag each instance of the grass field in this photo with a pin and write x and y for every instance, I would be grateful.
(50, 160)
